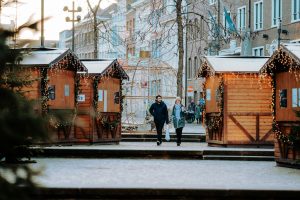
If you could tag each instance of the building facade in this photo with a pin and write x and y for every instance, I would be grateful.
(196, 47)
(260, 25)
(237, 27)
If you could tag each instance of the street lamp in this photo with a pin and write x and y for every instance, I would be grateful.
(73, 20)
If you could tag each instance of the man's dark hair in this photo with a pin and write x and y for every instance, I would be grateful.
(158, 96)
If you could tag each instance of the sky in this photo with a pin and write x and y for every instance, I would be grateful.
(53, 9)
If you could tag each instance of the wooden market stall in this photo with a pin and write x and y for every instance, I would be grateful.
(284, 68)
(100, 101)
(55, 73)
(237, 109)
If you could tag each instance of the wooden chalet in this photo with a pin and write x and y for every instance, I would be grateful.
(100, 101)
(284, 68)
(55, 73)
(237, 109)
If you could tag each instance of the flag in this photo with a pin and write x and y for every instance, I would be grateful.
(231, 27)
(215, 27)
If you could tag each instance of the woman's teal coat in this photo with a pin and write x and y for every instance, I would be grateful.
(181, 122)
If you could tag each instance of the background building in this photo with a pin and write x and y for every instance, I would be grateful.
(250, 28)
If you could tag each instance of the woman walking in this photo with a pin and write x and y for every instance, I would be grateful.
(178, 119)
(198, 114)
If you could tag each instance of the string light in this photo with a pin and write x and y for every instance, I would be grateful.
(213, 123)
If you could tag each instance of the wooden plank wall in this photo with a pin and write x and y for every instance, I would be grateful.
(32, 92)
(212, 83)
(60, 78)
(286, 114)
(84, 119)
(246, 94)
(111, 85)
(85, 110)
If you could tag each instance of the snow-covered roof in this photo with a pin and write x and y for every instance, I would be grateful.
(236, 64)
(100, 67)
(290, 49)
(42, 56)
(96, 66)
(293, 48)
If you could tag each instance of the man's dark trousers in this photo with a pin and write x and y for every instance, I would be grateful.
(159, 127)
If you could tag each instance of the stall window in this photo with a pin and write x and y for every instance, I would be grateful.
(295, 97)
(208, 94)
(283, 98)
(100, 95)
(51, 92)
(67, 90)
(117, 98)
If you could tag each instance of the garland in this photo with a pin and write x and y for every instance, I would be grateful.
(77, 90)
(204, 107)
(215, 122)
(96, 81)
(220, 99)
(44, 91)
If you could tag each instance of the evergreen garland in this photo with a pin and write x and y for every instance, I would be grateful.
(44, 91)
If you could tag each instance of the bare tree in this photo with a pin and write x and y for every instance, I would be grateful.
(93, 12)
(212, 31)
(177, 29)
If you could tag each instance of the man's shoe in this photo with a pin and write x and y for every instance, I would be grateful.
(178, 144)
(158, 143)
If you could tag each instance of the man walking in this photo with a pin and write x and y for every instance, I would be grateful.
(159, 111)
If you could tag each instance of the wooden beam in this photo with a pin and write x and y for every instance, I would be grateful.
(257, 127)
(267, 135)
(242, 128)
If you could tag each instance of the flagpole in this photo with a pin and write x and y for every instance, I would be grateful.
(42, 25)
(219, 17)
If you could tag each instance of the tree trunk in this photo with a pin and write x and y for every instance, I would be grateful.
(180, 47)
(94, 12)
(95, 37)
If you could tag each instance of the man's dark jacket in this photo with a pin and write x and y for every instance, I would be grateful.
(160, 112)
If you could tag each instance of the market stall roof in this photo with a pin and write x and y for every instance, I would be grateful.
(96, 66)
(232, 64)
(293, 48)
(47, 57)
(236, 64)
(289, 52)
(102, 67)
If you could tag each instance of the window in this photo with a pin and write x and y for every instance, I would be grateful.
(211, 2)
(295, 10)
(117, 97)
(208, 94)
(258, 15)
(189, 68)
(168, 6)
(212, 26)
(51, 92)
(195, 67)
(196, 29)
(283, 98)
(295, 97)
(155, 87)
(67, 90)
(258, 51)
(190, 30)
(156, 47)
(276, 12)
(241, 18)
